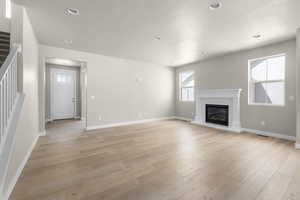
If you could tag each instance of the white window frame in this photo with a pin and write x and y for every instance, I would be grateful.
(251, 83)
(180, 87)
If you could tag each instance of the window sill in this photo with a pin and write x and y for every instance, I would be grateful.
(265, 104)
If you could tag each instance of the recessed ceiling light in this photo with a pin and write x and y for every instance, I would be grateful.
(215, 5)
(68, 42)
(256, 36)
(72, 11)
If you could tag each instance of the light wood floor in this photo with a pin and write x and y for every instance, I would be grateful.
(168, 160)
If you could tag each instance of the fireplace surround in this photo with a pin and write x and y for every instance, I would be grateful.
(226, 98)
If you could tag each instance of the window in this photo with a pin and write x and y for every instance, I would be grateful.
(8, 9)
(267, 80)
(186, 86)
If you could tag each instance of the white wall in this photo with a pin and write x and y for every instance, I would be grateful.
(124, 90)
(298, 87)
(4, 22)
(27, 128)
(231, 71)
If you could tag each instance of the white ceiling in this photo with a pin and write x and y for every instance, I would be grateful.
(187, 28)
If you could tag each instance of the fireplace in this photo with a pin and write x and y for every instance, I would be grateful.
(210, 100)
(217, 114)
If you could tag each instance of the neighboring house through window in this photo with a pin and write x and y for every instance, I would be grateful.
(267, 81)
(186, 86)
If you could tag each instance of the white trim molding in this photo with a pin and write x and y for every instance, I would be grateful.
(89, 128)
(183, 118)
(43, 133)
(270, 134)
(14, 181)
(49, 120)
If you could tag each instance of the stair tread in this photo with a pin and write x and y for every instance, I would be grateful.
(4, 33)
(4, 45)
(4, 37)
(4, 40)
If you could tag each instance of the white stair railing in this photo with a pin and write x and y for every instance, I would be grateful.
(8, 92)
(11, 102)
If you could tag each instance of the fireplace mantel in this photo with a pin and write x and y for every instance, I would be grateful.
(230, 97)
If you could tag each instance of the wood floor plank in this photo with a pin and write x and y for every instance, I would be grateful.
(167, 160)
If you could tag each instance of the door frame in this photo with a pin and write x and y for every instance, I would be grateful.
(42, 91)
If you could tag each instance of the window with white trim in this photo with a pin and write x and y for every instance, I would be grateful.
(186, 86)
(267, 80)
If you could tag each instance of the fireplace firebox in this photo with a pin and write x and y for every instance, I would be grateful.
(217, 114)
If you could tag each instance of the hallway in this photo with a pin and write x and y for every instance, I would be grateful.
(65, 128)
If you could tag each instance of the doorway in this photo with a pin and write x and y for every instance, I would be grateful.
(64, 94)
(65, 97)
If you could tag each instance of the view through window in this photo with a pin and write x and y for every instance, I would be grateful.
(267, 80)
(187, 84)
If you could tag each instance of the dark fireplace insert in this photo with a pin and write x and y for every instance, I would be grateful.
(217, 114)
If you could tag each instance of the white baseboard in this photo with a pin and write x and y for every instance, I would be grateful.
(19, 171)
(43, 133)
(89, 128)
(49, 120)
(183, 118)
(257, 132)
(297, 145)
(275, 135)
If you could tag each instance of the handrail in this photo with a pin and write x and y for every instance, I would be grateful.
(11, 56)
(8, 92)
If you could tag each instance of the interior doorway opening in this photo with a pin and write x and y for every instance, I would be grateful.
(65, 97)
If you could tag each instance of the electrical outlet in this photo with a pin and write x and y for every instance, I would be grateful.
(263, 123)
(99, 117)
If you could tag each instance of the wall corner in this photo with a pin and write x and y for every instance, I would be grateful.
(298, 89)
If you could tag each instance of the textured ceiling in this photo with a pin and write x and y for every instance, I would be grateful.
(187, 29)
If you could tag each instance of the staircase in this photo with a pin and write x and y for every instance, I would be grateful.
(4, 46)
(11, 101)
